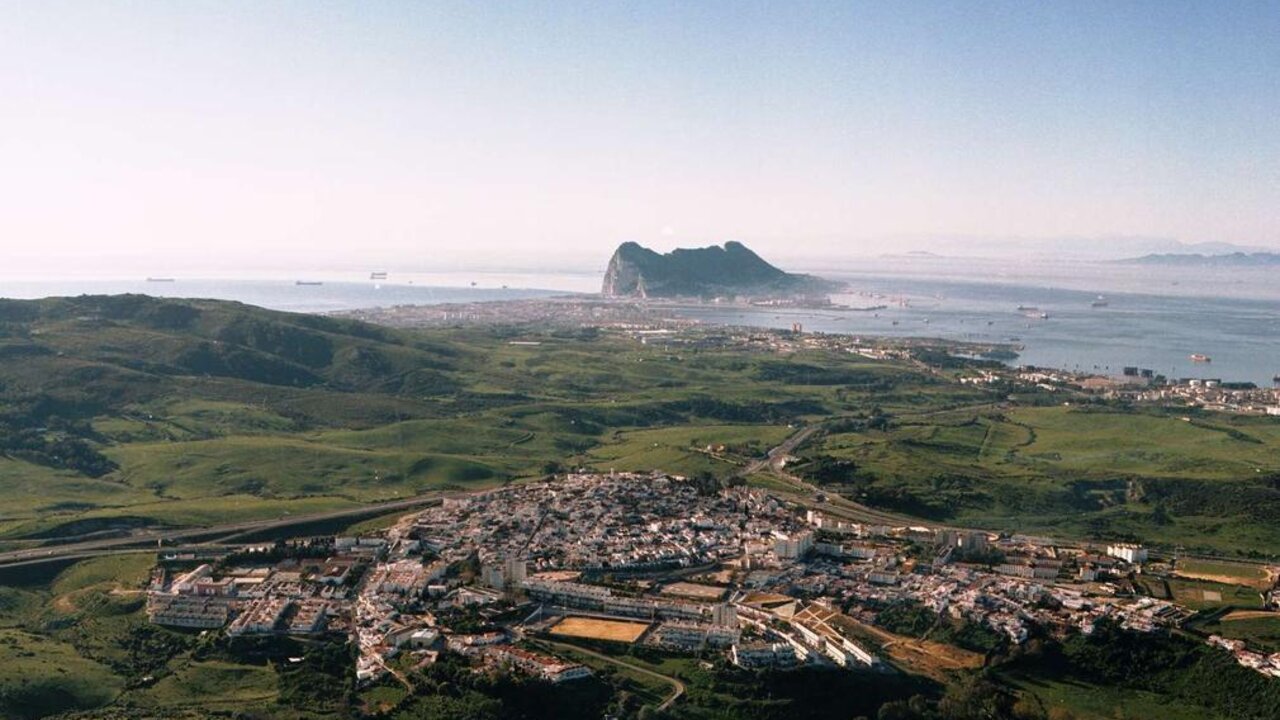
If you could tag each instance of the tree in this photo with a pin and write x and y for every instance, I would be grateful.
(895, 710)
(1028, 708)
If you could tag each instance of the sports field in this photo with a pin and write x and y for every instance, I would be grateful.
(1229, 573)
(599, 629)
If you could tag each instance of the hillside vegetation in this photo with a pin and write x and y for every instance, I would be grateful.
(128, 411)
(125, 412)
(1207, 482)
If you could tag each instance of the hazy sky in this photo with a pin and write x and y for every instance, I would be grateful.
(421, 133)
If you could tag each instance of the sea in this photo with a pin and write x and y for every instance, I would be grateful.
(1075, 315)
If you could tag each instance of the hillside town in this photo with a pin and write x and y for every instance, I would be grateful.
(1139, 386)
(654, 560)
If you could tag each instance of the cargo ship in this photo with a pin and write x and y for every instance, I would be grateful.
(160, 279)
(377, 276)
(307, 282)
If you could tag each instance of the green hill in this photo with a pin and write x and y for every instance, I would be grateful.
(124, 412)
(129, 411)
(68, 362)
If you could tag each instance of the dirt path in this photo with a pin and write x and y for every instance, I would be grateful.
(677, 687)
(1255, 583)
(1249, 615)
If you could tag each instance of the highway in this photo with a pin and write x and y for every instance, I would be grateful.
(774, 462)
(209, 534)
(808, 495)
(776, 457)
(146, 539)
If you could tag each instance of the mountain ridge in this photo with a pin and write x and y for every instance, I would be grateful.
(1235, 259)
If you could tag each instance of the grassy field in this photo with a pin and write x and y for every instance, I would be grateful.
(81, 640)
(289, 467)
(1059, 440)
(1224, 572)
(1260, 630)
(695, 591)
(19, 605)
(210, 685)
(320, 414)
(97, 605)
(177, 513)
(1155, 445)
(40, 676)
(685, 450)
(379, 698)
(32, 491)
(182, 411)
(1100, 473)
(769, 481)
(599, 629)
(1097, 702)
(129, 412)
(118, 572)
(1204, 595)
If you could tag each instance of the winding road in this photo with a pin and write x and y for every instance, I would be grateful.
(677, 687)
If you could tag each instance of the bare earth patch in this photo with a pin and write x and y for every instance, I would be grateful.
(695, 591)
(1249, 615)
(600, 629)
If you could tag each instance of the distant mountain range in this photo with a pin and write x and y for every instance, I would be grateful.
(1235, 259)
(636, 271)
(1097, 248)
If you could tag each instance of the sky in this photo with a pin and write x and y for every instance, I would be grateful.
(145, 136)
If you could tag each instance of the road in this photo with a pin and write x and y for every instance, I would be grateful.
(93, 548)
(801, 492)
(774, 461)
(677, 687)
(807, 494)
(776, 457)
(91, 554)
